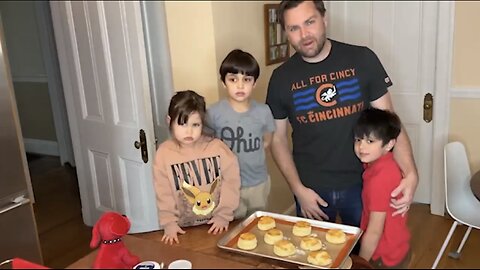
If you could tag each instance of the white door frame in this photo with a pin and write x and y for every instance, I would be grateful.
(55, 89)
(441, 104)
(159, 64)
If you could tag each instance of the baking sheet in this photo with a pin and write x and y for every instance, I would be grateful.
(338, 252)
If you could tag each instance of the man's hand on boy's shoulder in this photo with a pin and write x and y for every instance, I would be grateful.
(407, 187)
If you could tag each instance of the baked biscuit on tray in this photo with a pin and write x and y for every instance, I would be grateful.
(302, 228)
(320, 258)
(266, 223)
(336, 236)
(247, 241)
(272, 236)
(284, 248)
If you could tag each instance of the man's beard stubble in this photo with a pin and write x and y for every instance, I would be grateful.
(320, 44)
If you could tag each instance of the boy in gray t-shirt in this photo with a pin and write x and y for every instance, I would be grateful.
(246, 127)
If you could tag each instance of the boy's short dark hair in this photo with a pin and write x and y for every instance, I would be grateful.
(289, 4)
(238, 61)
(382, 124)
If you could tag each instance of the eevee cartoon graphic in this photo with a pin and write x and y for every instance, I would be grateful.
(202, 201)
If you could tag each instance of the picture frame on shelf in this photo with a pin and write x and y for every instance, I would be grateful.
(277, 48)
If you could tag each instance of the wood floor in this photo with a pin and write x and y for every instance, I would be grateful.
(64, 238)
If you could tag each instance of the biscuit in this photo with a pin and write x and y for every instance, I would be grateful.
(272, 236)
(302, 228)
(321, 258)
(247, 241)
(336, 236)
(311, 243)
(266, 223)
(284, 248)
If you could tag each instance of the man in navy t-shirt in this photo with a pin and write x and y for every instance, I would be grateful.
(320, 91)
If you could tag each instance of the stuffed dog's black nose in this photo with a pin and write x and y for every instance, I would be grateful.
(124, 216)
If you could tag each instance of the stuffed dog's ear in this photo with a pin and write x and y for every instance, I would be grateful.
(95, 236)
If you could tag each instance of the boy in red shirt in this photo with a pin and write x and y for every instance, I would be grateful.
(386, 239)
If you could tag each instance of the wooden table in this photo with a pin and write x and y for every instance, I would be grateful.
(200, 248)
(475, 184)
(149, 250)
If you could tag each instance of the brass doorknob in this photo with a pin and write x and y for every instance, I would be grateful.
(428, 108)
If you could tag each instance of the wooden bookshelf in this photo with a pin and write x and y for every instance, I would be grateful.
(277, 48)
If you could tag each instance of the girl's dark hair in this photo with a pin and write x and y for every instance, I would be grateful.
(381, 124)
(184, 103)
(286, 5)
(238, 61)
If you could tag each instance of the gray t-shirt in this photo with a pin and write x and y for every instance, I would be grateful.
(243, 133)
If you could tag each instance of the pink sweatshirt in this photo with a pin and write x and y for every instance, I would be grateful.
(199, 167)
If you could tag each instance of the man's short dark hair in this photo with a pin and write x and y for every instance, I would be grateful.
(382, 124)
(288, 4)
(238, 61)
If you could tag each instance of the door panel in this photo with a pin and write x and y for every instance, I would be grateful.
(403, 35)
(101, 46)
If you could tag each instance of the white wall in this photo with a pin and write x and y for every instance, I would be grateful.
(464, 123)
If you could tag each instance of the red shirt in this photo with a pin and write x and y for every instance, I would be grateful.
(380, 178)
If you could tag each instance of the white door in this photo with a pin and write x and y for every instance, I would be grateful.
(403, 35)
(103, 64)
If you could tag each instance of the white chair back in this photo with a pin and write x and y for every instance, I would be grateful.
(460, 201)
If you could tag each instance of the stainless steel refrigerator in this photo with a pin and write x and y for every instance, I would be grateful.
(18, 230)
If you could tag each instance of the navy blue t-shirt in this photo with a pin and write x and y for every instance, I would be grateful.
(322, 102)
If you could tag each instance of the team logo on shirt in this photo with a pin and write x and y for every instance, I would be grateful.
(326, 95)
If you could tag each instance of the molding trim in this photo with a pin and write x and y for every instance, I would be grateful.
(441, 109)
(31, 78)
(43, 147)
(462, 92)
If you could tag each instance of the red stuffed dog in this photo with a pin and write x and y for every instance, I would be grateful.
(109, 229)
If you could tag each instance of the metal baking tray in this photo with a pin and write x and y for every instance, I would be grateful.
(338, 252)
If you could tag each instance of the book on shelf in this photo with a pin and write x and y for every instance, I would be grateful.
(279, 33)
(272, 15)
(272, 38)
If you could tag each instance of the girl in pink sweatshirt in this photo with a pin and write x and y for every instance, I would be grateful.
(196, 176)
